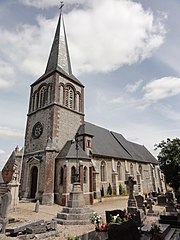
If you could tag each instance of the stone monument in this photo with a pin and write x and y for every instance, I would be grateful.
(76, 212)
(132, 203)
(5, 203)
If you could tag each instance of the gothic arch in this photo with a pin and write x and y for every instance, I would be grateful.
(73, 174)
(33, 182)
(119, 170)
(85, 173)
(70, 96)
(103, 171)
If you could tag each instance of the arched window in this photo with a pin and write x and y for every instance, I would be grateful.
(140, 170)
(69, 101)
(85, 174)
(73, 174)
(61, 175)
(119, 170)
(103, 171)
(131, 170)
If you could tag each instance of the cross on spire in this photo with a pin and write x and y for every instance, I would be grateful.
(62, 4)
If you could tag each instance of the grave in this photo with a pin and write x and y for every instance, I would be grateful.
(38, 229)
(141, 202)
(114, 213)
(171, 215)
(161, 200)
(4, 209)
(137, 214)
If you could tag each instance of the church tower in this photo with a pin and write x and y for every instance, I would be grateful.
(56, 110)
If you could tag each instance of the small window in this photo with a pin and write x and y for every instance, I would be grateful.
(85, 174)
(103, 171)
(88, 143)
(61, 175)
(131, 170)
(119, 170)
(73, 174)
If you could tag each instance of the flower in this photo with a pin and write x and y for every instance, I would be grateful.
(95, 218)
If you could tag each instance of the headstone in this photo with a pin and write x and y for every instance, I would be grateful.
(161, 200)
(4, 209)
(114, 213)
(170, 202)
(124, 231)
(37, 206)
(132, 204)
(140, 202)
(150, 203)
(137, 214)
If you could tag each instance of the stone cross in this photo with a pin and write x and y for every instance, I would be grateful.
(130, 183)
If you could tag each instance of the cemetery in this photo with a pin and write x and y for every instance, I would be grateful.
(140, 219)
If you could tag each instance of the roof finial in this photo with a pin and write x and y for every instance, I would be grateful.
(62, 4)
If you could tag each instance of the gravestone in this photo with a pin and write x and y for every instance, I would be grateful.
(137, 214)
(124, 231)
(114, 213)
(161, 200)
(150, 203)
(4, 209)
(140, 202)
(170, 202)
(132, 204)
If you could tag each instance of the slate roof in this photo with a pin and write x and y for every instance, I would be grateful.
(69, 152)
(111, 144)
(59, 58)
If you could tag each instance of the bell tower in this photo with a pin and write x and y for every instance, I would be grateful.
(56, 110)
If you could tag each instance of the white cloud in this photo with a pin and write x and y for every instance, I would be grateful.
(2, 152)
(133, 87)
(6, 75)
(160, 89)
(98, 37)
(8, 133)
(111, 34)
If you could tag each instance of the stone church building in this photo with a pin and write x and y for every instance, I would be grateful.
(60, 145)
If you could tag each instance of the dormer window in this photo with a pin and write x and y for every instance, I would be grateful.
(88, 144)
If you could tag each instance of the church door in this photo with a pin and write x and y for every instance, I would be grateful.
(34, 174)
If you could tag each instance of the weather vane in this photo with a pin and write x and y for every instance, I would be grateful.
(62, 4)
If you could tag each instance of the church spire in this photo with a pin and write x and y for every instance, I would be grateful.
(59, 58)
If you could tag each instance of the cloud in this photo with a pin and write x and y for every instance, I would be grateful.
(2, 152)
(160, 89)
(111, 34)
(7, 75)
(131, 88)
(97, 34)
(7, 133)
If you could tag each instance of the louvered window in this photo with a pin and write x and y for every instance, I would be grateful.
(69, 101)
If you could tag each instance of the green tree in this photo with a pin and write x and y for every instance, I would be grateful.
(169, 160)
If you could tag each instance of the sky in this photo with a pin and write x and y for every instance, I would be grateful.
(125, 52)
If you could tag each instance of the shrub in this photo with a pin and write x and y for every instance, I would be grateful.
(109, 190)
(121, 189)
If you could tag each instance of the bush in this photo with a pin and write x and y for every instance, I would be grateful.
(109, 190)
(121, 189)
(102, 191)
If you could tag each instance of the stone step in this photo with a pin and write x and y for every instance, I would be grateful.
(77, 210)
(67, 216)
(71, 222)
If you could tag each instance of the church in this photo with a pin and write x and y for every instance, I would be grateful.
(61, 147)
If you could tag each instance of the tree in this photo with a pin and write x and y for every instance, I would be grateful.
(169, 160)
